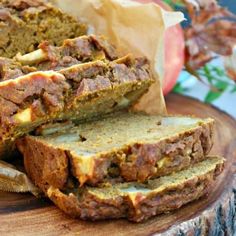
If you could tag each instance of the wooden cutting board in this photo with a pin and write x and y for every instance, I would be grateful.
(23, 214)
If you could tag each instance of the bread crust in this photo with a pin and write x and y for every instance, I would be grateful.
(142, 201)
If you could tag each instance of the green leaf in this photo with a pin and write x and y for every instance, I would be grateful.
(218, 71)
(217, 80)
(208, 74)
(221, 85)
(179, 88)
(212, 96)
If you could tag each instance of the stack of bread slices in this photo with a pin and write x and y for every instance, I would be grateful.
(65, 105)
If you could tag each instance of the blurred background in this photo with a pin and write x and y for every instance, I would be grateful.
(231, 4)
(209, 56)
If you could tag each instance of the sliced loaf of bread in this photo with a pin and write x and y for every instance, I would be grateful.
(136, 201)
(80, 92)
(24, 24)
(82, 79)
(123, 147)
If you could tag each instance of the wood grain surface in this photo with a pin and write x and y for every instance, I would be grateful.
(214, 215)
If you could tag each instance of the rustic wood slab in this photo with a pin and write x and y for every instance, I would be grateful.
(215, 215)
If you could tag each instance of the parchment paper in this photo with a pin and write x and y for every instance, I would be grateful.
(132, 27)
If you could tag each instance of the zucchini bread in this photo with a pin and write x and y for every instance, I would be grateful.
(93, 164)
(24, 24)
(135, 201)
(80, 88)
(121, 148)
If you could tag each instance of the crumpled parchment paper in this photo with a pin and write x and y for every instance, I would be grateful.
(131, 27)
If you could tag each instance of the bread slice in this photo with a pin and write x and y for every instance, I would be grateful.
(137, 201)
(79, 92)
(123, 147)
(26, 23)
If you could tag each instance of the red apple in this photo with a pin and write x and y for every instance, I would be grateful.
(174, 51)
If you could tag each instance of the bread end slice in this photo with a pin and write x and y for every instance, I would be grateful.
(138, 202)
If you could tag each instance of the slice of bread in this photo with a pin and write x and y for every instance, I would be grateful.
(24, 24)
(120, 148)
(79, 92)
(137, 201)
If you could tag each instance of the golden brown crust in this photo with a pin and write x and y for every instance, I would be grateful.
(90, 204)
(47, 170)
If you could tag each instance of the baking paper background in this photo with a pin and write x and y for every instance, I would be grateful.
(131, 27)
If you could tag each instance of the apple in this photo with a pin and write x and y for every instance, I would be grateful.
(174, 51)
